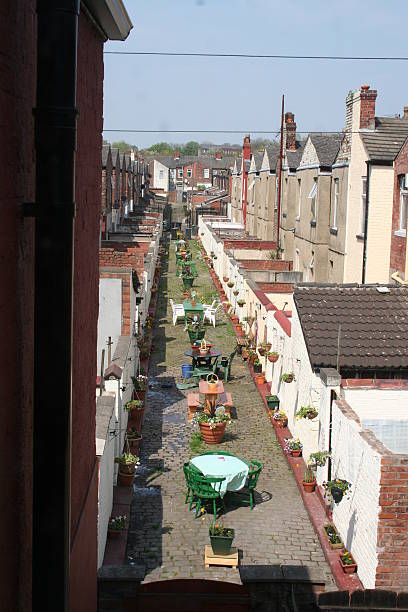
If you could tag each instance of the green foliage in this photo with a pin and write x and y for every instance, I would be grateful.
(332, 534)
(309, 474)
(117, 522)
(190, 148)
(133, 405)
(306, 412)
(122, 146)
(319, 458)
(196, 443)
(160, 148)
(127, 458)
(217, 528)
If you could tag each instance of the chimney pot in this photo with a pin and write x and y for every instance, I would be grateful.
(365, 87)
(290, 129)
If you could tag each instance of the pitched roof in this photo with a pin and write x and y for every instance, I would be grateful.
(327, 146)
(385, 142)
(273, 155)
(105, 154)
(293, 157)
(258, 159)
(116, 157)
(239, 164)
(374, 325)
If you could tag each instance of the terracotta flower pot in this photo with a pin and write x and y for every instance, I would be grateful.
(348, 569)
(134, 444)
(114, 533)
(273, 358)
(212, 436)
(139, 395)
(125, 480)
(309, 487)
(136, 419)
(260, 379)
(281, 423)
(262, 351)
(296, 452)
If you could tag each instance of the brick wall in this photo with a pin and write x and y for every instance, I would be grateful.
(276, 287)
(266, 264)
(392, 537)
(398, 243)
(86, 281)
(18, 52)
(259, 245)
(123, 254)
(367, 107)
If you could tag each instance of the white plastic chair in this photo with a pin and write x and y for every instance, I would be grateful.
(207, 306)
(211, 314)
(178, 311)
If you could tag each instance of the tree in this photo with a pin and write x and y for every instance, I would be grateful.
(105, 142)
(190, 148)
(123, 146)
(160, 148)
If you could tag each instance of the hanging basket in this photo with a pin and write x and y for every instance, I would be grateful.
(212, 382)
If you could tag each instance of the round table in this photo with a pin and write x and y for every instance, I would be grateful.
(233, 469)
(202, 360)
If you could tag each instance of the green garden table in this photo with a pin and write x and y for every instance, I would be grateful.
(193, 311)
(233, 469)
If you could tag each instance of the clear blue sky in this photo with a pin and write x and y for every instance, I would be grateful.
(245, 94)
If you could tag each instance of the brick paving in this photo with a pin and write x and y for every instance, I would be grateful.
(163, 534)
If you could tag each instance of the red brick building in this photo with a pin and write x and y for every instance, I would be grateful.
(52, 62)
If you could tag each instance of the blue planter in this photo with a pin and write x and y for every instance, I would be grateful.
(186, 370)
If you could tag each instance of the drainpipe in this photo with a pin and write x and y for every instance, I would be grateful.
(55, 143)
(363, 280)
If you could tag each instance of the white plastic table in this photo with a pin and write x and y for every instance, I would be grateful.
(233, 469)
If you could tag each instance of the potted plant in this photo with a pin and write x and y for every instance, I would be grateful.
(288, 377)
(230, 284)
(133, 439)
(212, 426)
(236, 292)
(273, 356)
(195, 330)
(348, 563)
(306, 412)
(335, 541)
(257, 365)
(127, 468)
(187, 281)
(241, 303)
(136, 411)
(280, 419)
(139, 386)
(116, 525)
(221, 537)
(251, 356)
(319, 458)
(293, 446)
(225, 279)
(336, 488)
(272, 401)
(244, 353)
(309, 479)
(260, 378)
(204, 347)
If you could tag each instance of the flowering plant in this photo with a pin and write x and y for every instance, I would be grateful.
(220, 416)
(347, 558)
(306, 412)
(133, 405)
(336, 488)
(127, 458)
(292, 444)
(139, 382)
(217, 529)
(279, 415)
(149, 321)
(288, 377)
(117, 522)
(309, 474)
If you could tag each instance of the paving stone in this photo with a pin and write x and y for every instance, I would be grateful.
(163, 535)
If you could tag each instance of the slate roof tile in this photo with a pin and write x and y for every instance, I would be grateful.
(374, 325)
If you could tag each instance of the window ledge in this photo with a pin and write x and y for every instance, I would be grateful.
(333, 230)
(313, 223)
(297, 218)
(360, 236)
(401, 233)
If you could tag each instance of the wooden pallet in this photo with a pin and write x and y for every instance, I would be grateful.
(231, 560)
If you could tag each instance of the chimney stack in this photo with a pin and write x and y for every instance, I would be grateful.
(176, 155)
(367, 107)
(290, 129)
(218, 155)
(246, 148)
(405, 112)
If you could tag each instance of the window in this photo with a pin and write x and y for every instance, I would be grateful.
(363, 204)
(161, 174)
(335, 204)
(206, 173)
(299, 199)
(189, 173)
(313, 196)
(403, 204)
(180, 173)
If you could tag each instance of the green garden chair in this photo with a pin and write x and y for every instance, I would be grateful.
(226, 363)
(206, 489)
(189, 470)
(252, 480)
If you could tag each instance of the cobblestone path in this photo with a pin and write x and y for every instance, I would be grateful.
(163, 534)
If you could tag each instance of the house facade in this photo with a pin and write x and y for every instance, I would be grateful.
(399, 245)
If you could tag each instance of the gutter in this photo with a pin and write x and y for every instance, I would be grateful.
(363, 279)
(54, 212)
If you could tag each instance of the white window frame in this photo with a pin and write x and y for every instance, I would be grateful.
(313, 196)
(335, 204)
(299, 198)
(403, 205)
(363, 204)
(180, 173)
(206, 173)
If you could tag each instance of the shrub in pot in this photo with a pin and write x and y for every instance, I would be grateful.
(348, 563)
(221, 538)
(293, 446)
(309, 479)
(116, 525)
(288, 377)
(273, 356)
(306, 412)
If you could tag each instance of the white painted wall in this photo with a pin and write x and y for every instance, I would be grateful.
(110, 315)
(160, 176)
(357, 518)
(106, 451)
